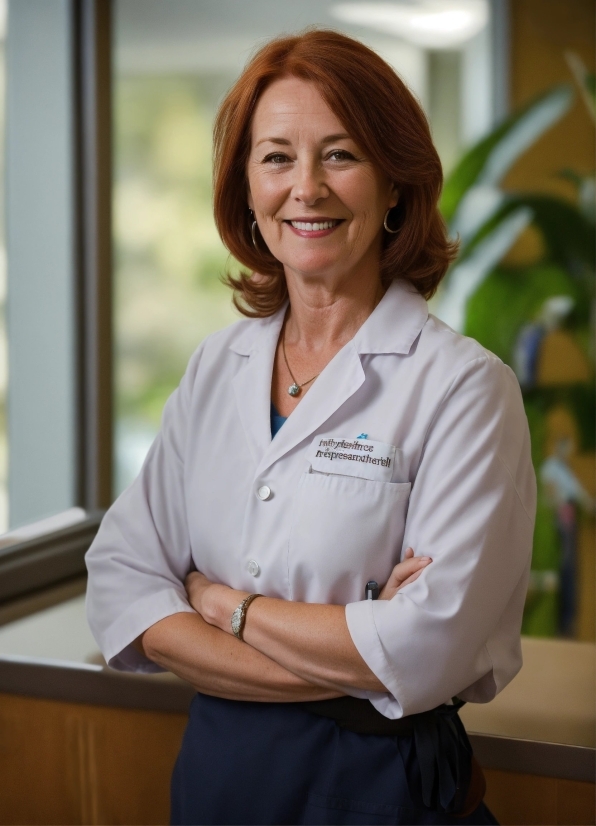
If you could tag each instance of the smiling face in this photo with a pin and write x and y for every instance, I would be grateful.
(318, 200)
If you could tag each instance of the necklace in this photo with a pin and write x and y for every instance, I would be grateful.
(293, 389)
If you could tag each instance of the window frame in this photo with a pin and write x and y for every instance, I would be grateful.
(56, 555)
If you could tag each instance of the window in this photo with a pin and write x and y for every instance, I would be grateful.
(55, 458)
(40, 244)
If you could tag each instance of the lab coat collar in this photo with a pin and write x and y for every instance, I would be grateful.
(393, 327)
(259, 332)
(395, 323)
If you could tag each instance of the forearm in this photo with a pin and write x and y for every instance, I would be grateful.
(311, 641)
(217, 663)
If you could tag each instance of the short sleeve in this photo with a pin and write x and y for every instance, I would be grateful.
(141, 554)
(456, 630)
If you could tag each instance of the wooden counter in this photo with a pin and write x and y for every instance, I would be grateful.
(83, 744)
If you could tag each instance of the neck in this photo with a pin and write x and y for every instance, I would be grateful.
(322, 315)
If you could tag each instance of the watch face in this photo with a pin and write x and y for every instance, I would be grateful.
(236, 620)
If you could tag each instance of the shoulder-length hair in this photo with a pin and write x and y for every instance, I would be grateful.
(386, 122)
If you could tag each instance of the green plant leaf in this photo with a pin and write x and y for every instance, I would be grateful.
(585, 187)
(488, 161)
(569, 237)
(508, 298)
(468, 273)
(477, 209)
(585, 80)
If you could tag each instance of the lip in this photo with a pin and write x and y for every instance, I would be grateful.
(313, 219)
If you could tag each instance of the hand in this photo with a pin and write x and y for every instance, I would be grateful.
(196, 585)
(214, 602)
(404, 572)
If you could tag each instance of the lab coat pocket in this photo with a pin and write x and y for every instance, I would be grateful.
(345, 531)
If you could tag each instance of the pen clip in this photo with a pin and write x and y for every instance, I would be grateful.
(371, 590)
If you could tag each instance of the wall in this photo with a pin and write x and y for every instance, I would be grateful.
(542, 31)
(70, 763)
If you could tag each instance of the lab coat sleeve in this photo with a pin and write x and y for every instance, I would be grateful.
(141, 554)
(456, 630)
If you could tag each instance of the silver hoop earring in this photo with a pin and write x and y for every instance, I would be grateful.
(253, 229)
(385, 224)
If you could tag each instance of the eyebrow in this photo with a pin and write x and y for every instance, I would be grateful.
(340, 136)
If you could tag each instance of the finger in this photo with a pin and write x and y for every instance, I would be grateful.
(411, 560)
(405, 569)
(387, 592)
(409, 553)
(198, 576)
(408, 566)
(195, 580)
(392, 588)
(411, 578)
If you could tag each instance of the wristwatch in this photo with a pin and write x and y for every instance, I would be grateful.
(239, 615)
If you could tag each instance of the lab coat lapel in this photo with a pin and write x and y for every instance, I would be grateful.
(392, 328)
(252, 384)
(337, 383)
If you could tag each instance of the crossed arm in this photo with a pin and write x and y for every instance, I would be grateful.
(291, 652)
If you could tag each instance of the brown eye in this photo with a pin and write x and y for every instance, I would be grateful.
(276, 158)
(341, 155)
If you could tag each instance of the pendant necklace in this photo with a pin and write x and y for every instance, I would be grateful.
(295, 388)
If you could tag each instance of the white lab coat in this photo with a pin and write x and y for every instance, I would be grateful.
(462, 492)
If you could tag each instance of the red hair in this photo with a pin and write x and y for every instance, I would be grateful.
(386, 122)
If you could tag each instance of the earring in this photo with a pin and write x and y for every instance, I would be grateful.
(385, 224)
(253, 229)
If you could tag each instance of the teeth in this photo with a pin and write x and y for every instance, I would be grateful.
(314, 227)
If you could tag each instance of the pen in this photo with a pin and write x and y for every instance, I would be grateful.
(371, 590)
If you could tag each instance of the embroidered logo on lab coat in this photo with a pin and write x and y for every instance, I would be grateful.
(353, 457)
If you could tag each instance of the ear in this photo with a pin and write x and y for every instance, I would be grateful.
(393, 196)
(250, 202)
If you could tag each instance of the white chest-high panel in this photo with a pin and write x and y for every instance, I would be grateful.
(217, 493)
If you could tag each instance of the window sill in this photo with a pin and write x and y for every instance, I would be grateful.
(36, 558)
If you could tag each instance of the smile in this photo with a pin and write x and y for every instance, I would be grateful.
(315, 229)
(315, 226)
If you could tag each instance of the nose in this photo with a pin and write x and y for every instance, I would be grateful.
(309, 184)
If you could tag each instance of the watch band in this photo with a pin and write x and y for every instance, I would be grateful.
(239, 616)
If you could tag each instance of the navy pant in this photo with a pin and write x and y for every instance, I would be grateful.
(275, 763)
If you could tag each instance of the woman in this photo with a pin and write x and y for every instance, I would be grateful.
(306, 451)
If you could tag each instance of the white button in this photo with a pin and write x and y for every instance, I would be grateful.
(264, 492)
(253, 567)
